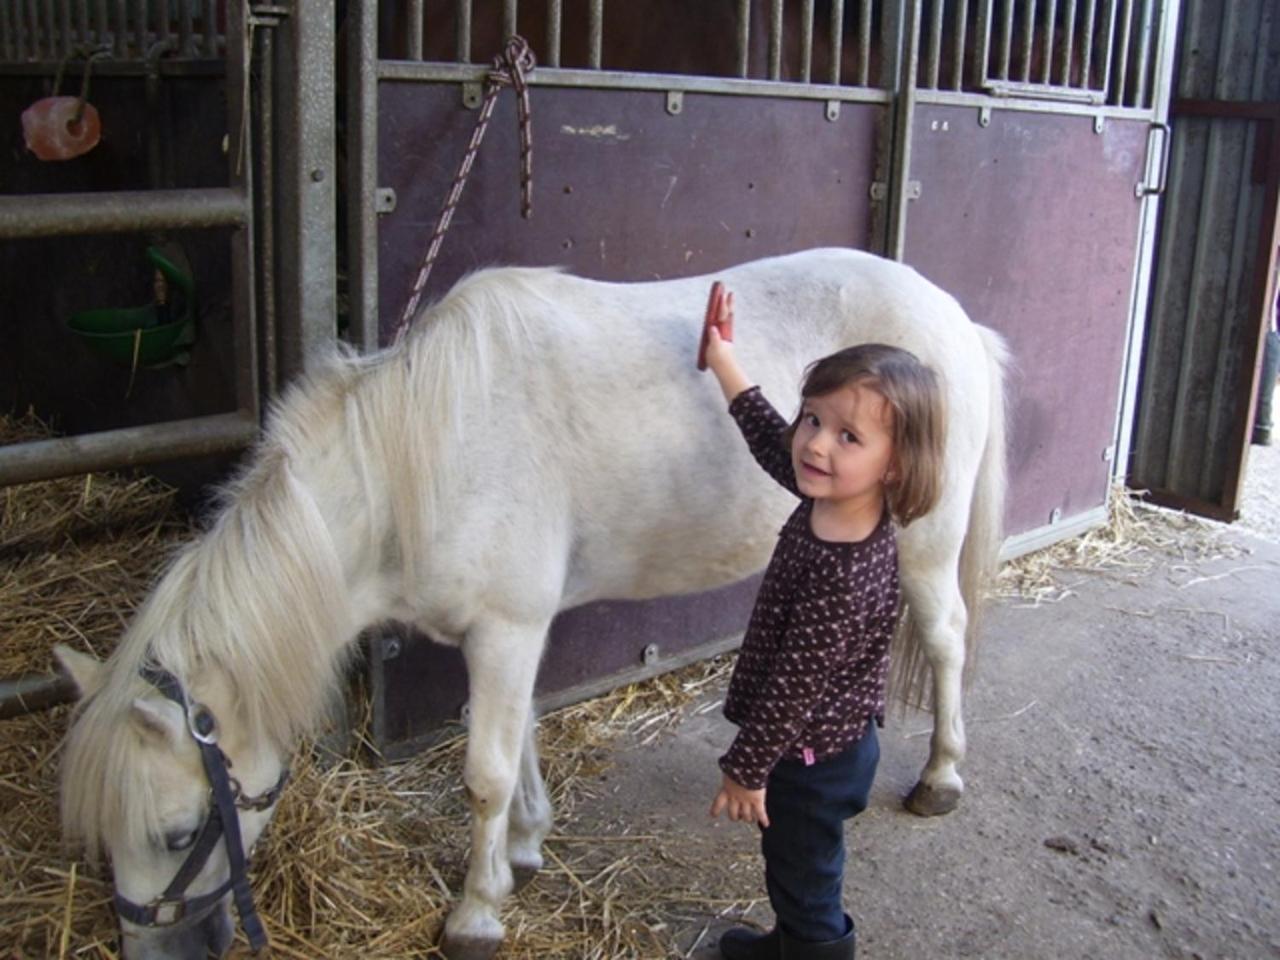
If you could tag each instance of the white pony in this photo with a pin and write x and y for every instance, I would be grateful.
(536, 442)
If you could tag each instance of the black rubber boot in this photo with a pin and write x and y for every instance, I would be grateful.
(840, 949)
(743, 944)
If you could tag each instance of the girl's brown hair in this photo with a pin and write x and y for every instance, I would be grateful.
(919, 424)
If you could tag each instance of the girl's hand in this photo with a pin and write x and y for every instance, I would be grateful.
(740, 803)
(717, 331)
(717, 349)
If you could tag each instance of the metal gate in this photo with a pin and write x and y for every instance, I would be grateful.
(1214, 283)
(1009, 150)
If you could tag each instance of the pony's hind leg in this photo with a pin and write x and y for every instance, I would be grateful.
(531, 815)
(939, 616)
(502, 662)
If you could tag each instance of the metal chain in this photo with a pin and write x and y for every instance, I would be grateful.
(509, 69)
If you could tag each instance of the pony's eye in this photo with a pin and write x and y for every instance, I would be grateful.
(179, 840)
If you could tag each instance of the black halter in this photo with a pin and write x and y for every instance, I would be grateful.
(222, 822)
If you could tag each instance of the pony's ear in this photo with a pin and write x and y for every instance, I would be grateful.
(155, 717)
(86, 672)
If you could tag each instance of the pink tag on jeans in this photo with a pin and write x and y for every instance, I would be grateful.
(808, 756)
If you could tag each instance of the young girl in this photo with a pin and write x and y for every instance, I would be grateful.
(808, 690)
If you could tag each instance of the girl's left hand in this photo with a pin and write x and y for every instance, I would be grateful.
(740, 803)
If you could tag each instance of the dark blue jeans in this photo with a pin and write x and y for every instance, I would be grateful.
(804, 843)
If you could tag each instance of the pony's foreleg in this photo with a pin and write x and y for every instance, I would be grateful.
(940, 619)
(502, 662)
(531, 815)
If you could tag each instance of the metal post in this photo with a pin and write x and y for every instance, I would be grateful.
(362, 172)
(934, 55)
(463, 54)
(903, 121)
(1046, 47)
(510, 17)
(957, 59)
(1122, 47)
(1069, 44)
(595, 29)
(775, 41)
(744, 36)
(244, 305)
(415, 29)
(307, 278)
(555, 14)
(806, 41)
(837, 40)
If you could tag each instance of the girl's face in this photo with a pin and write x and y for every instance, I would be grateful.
(843, 447)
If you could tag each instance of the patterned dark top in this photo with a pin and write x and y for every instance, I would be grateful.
(812, 669)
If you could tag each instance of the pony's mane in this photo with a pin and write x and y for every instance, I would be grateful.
(261, 595)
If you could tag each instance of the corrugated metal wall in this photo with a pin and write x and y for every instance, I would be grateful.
(1214, 256)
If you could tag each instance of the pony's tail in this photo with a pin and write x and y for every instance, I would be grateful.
(979, 555)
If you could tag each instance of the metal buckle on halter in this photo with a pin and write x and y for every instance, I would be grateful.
(198, 716)
(165, 913)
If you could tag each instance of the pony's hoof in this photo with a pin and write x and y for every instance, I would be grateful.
(523, 873)
(468, 947)
(927, 801)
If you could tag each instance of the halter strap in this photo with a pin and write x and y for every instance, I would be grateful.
(222, 823)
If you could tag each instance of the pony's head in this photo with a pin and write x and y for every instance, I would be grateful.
(175, 755)
(141, 782)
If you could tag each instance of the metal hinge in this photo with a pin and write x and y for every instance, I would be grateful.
(880, 190)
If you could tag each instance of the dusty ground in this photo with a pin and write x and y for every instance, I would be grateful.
(1123, 785)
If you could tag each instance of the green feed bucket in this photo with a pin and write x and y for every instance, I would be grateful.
(148, 336)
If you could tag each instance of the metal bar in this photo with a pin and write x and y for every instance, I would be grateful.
(864, 43)
(121, 32)
(744, 36)
(265, 221)
(1028, 38)
(1144, 54)
(957, 60)
(186, 28)
(415, 29)
(1122, 70)
(806, 41)
(244, 301)
(510, 17)
(463, 54)
(6, 33)
(1043, 91)
(362, 173)
(1109, 46)
(306, 185)
(555, 18)
(934, 56)
(1086, 47)
(837, 42)
(1046, 49)
(51, 46)
(140, 26)
(127, 447)
(31, 32)
(775, 41)
(211, 28)
(22, 695)
(1006, 40)
(982, 49)
(903, 123)
(163, 31)
(103, 27)
(126, 211)
(595, 29)
(1068, 101)
(611, 80)
(1069, 45)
